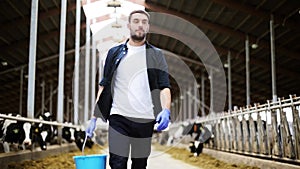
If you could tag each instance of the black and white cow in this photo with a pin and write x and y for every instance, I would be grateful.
(29, 138)
(203, 136)
(12, 132)
(68, 133)
(44, 132)
(80, 137)
(38, 135)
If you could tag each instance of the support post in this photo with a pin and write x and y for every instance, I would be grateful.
(273, 62)
(202, 95)
(43, 97)
(175, 113)
(229, 81)
(87, 70)
(189, 102)
(196, 101)
(32, 59)
(21, 91)
(60, 93)
(211, 91)
(179, 107)
(50, 99)
(247, 71)
(76, 67)
(100, 66)
(93, 84)
(68, 109)
(185, 114)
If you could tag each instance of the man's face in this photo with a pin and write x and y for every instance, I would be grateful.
(138, 26)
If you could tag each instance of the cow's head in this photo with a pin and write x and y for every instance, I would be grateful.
(27, 129)
(40, 135)
(46, 116)
(42, 142)
(72, 131)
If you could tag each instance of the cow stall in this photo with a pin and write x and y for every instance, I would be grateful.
(269, 131)
(21, 133)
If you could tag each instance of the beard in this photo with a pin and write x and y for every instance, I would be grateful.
(138, 38)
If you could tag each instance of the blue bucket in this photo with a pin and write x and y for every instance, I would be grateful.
(90, 161)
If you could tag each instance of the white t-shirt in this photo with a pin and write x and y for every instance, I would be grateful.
(131, 92)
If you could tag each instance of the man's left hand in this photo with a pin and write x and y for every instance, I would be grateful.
(163, 119)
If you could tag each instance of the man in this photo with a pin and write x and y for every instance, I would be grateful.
(140, 88)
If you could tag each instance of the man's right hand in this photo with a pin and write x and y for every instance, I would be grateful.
(90, 129)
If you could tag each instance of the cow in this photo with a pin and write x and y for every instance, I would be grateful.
(12, 132)
(47, 116)
(196, 147)
(68, 133)
(203, 136)
(36, 133)
(28, 134)
(80, 137)
(43, 133)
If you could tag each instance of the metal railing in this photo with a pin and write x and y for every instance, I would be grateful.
(19, 118)
(270, 130)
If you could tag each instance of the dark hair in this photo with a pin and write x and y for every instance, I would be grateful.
(139, 11)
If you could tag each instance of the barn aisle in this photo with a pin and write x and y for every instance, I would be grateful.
(161, 160)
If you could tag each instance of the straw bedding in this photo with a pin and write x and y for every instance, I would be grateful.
(65, 161)
(61, 161)
(204, 161)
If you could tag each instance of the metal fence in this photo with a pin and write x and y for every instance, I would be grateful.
(269, 130)
(54, 123)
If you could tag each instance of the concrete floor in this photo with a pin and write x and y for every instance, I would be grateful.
(161, 160)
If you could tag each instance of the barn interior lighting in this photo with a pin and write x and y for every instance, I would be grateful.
(226, 65)
(116, 24)
(254, 46)
(4, 63)
(114, 3)
(113, 13)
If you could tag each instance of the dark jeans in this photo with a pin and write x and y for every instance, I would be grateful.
(129, 133)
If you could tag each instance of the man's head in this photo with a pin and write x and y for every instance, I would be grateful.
(138, 24)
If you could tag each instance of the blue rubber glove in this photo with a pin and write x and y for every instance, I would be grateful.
(89, 131)
(163, 119)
